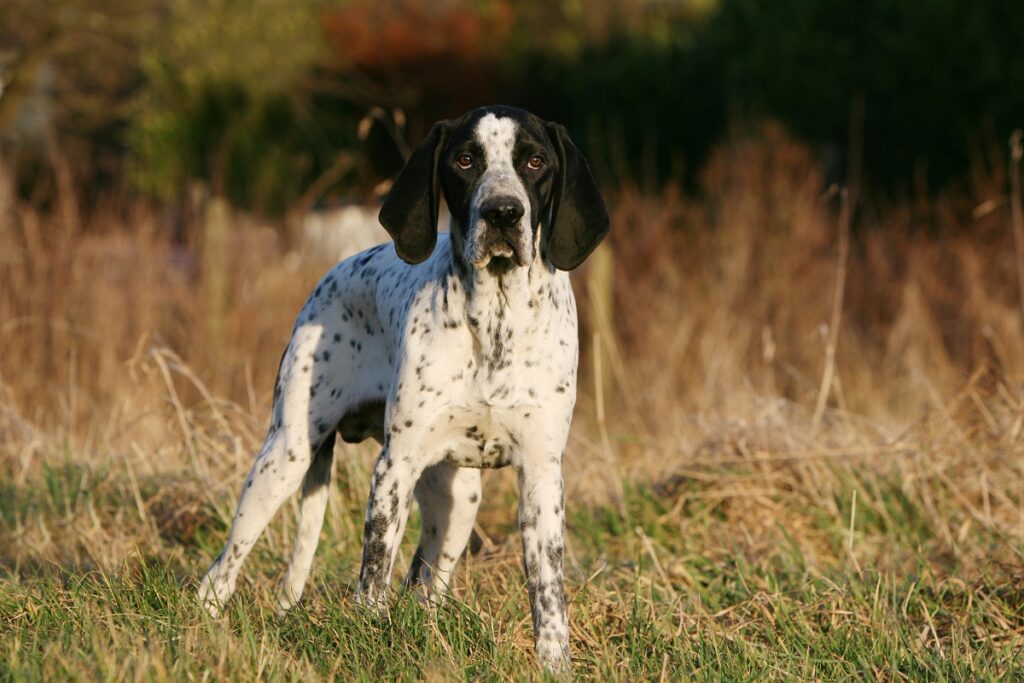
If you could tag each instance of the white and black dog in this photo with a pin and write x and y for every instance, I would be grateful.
(457, 353)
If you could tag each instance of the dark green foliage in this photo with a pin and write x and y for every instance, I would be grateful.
(260, 149)
(939, 79)
(258, 105)
(639, 108)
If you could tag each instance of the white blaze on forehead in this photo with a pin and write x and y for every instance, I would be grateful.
(497, 136)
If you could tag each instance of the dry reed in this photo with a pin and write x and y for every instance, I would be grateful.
(722, 306)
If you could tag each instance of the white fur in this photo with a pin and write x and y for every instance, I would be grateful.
(474, 369)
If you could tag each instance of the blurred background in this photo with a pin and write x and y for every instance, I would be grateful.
(263, 101)
(186, 122)
(816, 261)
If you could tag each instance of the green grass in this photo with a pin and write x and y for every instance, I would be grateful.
(671, 585)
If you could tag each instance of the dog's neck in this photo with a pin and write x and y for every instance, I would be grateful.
(514, 287)
(503, 285)
(503, 305)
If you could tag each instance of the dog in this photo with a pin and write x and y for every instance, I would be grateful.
(455, 351)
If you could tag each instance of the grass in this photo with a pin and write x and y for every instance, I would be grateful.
(719, 528)
(649, 602)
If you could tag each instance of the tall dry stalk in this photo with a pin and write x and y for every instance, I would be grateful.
(600, 294)
(1017, 212)
(216, 255)
(828, 373)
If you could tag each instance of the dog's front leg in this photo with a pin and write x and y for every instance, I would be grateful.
(386, 514)
(541, 514)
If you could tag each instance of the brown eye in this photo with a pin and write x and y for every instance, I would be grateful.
(464, 161)
(535, 162)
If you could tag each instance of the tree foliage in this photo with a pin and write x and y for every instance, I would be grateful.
(222, 102)
(261, 98)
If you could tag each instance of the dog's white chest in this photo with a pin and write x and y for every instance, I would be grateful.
(481, 367)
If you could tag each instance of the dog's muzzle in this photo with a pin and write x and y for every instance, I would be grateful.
(501, 231)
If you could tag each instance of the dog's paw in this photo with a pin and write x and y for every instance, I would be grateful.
(375, 601)
(284, 604)
(288, 595)
(553, 656)
(213, 606)
(210, 597)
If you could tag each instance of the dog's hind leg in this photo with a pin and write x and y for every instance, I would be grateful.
(298, 426)
(449, 497)
(276, 474)
(316, 487)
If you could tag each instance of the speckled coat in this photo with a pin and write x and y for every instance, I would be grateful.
(456, 352)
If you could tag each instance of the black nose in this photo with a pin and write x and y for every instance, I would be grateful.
(502, 212)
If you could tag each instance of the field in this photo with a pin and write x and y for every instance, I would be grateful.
(795, 457)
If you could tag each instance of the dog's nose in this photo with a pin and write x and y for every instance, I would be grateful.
(502, 212)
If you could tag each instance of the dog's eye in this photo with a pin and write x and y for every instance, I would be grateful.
(535, 162)
(464, 161)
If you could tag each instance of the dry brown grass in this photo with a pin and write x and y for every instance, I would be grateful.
(723, 324)
(722, 306)
(109, 362)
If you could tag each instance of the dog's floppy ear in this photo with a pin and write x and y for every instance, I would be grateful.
(579, 217)
(409, 213)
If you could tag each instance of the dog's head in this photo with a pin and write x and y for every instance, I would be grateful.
(512, 183)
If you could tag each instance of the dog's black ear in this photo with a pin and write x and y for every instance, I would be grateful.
(409, 213)
(579, 217)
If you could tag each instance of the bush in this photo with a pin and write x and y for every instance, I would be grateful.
(222, 102)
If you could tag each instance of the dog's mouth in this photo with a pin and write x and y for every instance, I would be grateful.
(499, 254)
(499, 265)
(502, 248)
